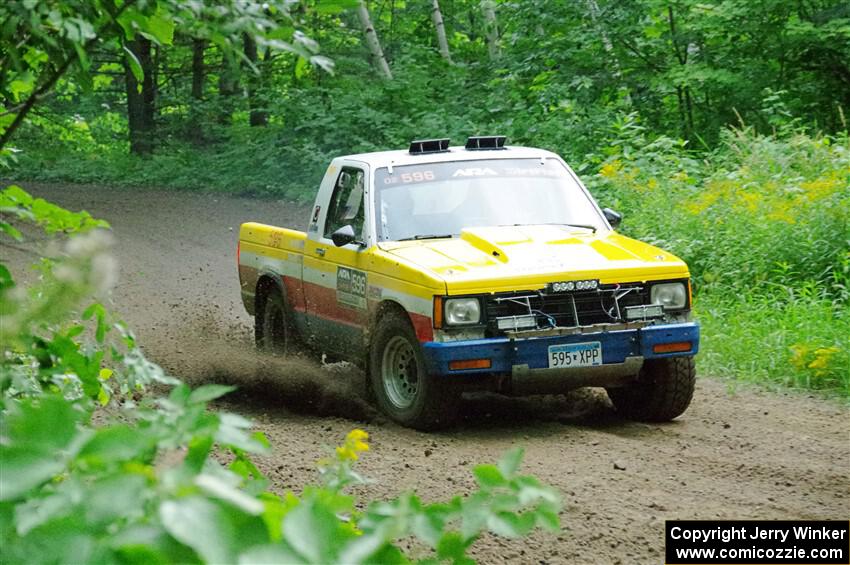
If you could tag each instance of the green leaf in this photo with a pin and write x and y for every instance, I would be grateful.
(115, 444)
(99, 311)
(135, 65)
(25, 468)
(489, 476)
(510, 462)
(233, 432)
(301, 67)
(37, 511)
(452, 546)
(103, 396)
(335, 6)
(11, 231)
(216, 533)
(206, 393)
(313, 531)
(199, 450)
(115, 497)
(6, 280)
(548, 519)
(74, 331)
(428, 525)
(16, 194)
(265, 554)
(509, 524)
(161, 29)
(220, 489)
(48, 423)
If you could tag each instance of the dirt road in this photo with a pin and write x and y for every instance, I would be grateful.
(737, 453)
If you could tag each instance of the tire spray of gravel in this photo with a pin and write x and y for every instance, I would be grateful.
(220, 352)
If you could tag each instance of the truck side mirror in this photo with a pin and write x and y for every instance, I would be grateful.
(614, 218)
(343, 236)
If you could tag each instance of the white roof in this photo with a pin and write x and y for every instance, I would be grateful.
(455, 153)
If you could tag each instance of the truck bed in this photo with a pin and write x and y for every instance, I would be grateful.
(265, 249)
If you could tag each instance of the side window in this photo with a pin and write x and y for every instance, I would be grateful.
(346, 205)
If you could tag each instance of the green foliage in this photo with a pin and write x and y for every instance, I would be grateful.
(43, 41)
(92, 475)
(763, 223)
(688, 68)
(779, 338)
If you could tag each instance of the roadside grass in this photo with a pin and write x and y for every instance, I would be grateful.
(770, 340)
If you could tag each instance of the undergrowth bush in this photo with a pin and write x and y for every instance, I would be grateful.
(764, 225)
(145, 483)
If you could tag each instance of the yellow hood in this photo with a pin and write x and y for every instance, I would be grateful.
(527, 257)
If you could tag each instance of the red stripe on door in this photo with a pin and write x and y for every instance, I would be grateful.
(323, 303)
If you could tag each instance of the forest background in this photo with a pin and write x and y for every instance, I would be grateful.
(718, 128)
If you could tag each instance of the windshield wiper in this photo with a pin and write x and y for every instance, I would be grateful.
(428, 236)
(583, 226)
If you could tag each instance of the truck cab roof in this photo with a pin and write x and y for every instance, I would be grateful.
(400, 158)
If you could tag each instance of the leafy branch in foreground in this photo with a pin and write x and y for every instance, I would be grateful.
(91, 475)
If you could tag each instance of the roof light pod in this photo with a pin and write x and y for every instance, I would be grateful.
(423, 146)
(485, 142)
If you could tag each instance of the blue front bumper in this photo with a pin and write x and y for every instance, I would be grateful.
(506, 354)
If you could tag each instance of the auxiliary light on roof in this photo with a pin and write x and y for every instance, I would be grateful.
(423, 146)
(485, 142)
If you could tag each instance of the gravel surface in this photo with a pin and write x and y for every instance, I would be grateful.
(738, 453)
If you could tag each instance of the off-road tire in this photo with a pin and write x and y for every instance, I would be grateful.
(274, 330)
(663, 390)
(435, 401)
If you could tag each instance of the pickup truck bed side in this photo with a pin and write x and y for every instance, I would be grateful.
(330, 296)
(273, 252)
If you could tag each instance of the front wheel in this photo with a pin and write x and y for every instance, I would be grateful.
(663, 390)
(402, 387)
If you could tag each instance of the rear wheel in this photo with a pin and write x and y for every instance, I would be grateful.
(400, 382)
(274, 331)
(663, 390)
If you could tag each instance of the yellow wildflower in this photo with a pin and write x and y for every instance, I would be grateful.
(799, 353)
(610, 170)
(821, 361)
(820, 188)
(355, 442)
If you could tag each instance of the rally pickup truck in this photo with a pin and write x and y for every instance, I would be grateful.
(442, 270)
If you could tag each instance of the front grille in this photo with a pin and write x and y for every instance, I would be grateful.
(566, 310)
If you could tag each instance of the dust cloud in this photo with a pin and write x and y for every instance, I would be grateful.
(216, 351)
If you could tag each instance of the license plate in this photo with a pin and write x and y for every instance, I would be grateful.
(575, 355)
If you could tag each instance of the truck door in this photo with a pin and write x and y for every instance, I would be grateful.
(335, 277)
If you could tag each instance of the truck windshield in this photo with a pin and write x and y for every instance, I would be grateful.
(440, 199)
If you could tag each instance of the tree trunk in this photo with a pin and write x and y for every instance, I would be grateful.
(196, 130)
(372, 41)
(141, 99)
(258, 116)
(683, 91)
(437, 18)
(491, 28)
(199, 46)
(228, 86)
(607, 44)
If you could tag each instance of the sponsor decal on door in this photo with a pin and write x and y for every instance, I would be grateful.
(351, 287)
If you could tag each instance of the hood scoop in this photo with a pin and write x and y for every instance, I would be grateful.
(493, 241)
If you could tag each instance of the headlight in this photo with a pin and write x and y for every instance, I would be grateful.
(462, 311)
(670, 295)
